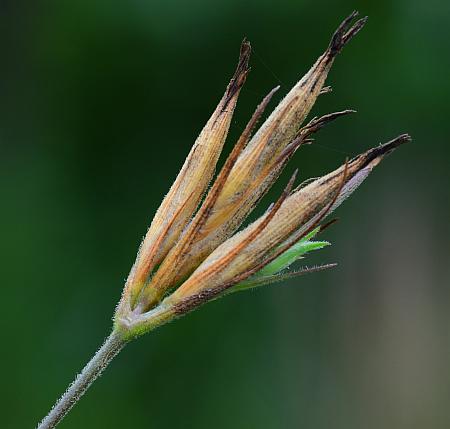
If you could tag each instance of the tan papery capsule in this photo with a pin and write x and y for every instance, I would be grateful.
(252, 248)
(186, 192)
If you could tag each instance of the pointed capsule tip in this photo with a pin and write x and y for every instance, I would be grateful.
(386, 148)
(345, 32)
(240, 75)
(375, 155)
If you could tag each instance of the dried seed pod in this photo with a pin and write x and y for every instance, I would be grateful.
(182, 251)
(251, 249)
(199, 259)
(186, 192)
(252, 170)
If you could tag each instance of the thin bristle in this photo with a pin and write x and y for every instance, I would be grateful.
(302, 271)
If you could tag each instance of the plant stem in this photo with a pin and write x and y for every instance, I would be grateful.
(110, 348)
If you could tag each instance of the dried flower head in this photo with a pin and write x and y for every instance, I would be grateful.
(193, 251)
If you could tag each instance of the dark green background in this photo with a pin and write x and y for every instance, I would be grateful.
(99, 104)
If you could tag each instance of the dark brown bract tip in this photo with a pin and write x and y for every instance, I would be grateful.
(241, 72)
(317, 123)
(387, 148)
(383, 149)
(345, 32)
(244, 56)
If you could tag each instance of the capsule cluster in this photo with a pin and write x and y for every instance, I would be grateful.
(193, 251)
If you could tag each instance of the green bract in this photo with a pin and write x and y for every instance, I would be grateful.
(273, 272)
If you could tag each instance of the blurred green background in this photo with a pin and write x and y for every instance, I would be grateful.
(100, 103)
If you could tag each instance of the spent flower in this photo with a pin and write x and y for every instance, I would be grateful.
(193, 251)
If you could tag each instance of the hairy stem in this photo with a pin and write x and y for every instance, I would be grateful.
(110, 348)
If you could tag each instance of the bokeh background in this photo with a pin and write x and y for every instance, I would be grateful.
(100, 103)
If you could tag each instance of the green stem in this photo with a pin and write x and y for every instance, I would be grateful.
(110, 348)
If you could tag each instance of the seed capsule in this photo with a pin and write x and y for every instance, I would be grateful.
(186, 192)
(251, 249)
(254, 167)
